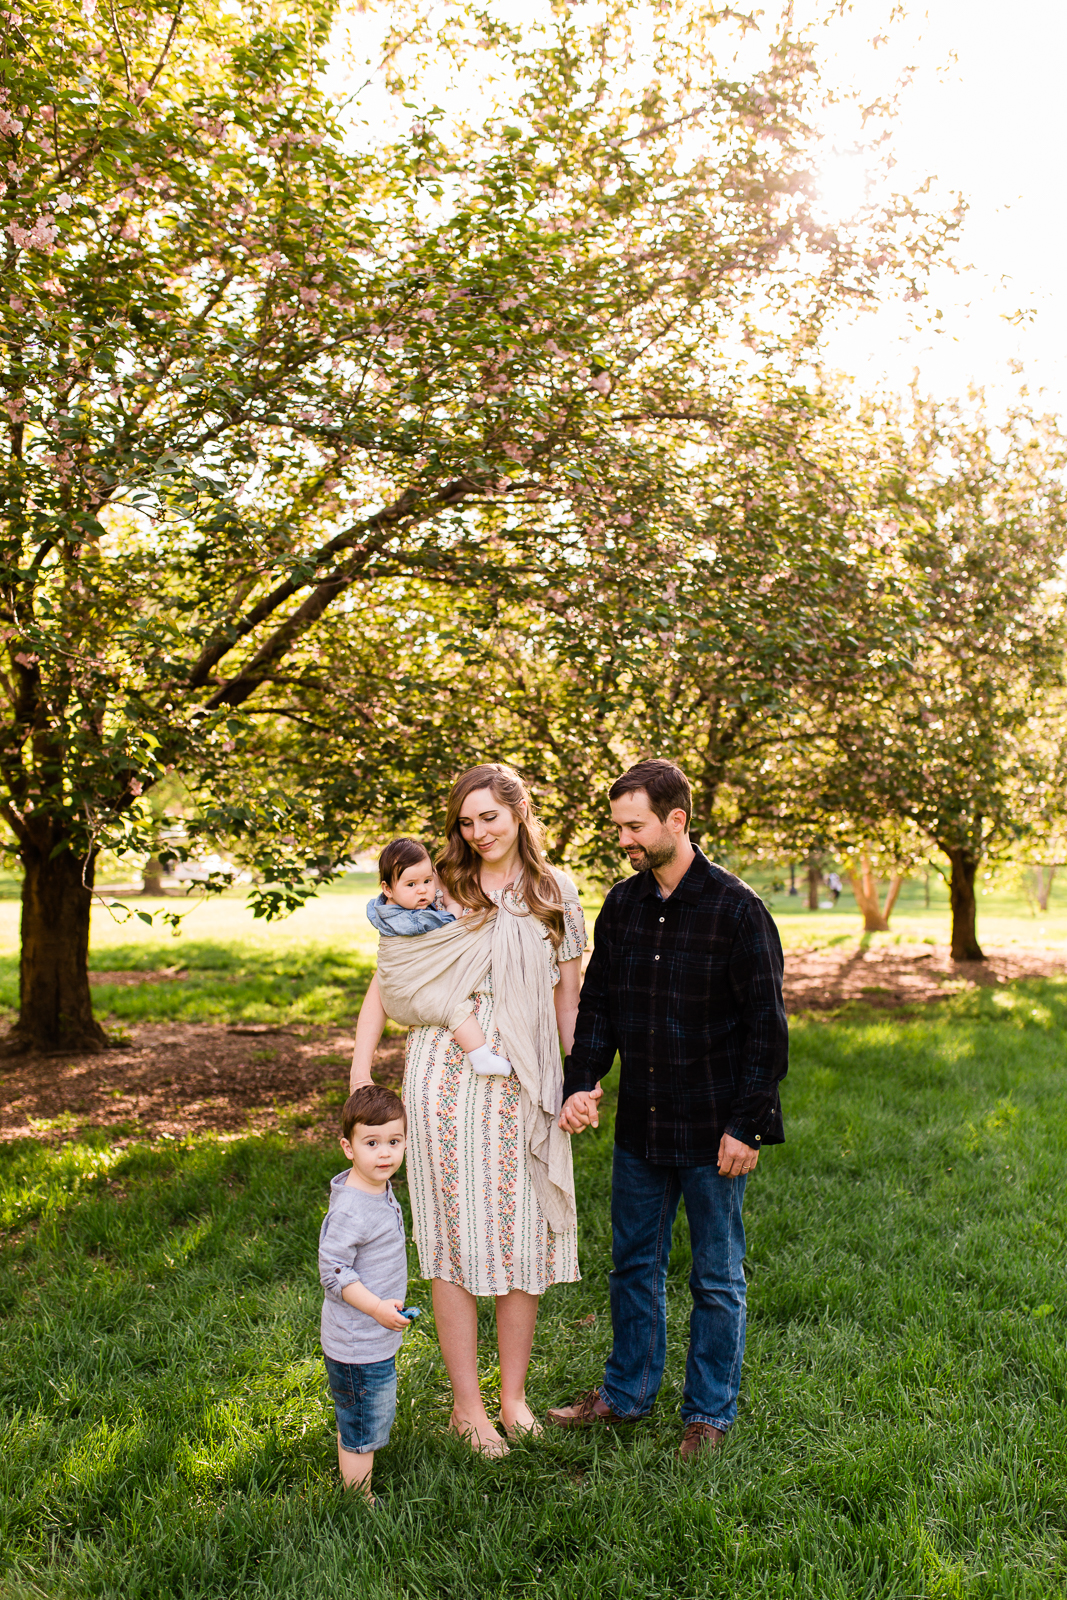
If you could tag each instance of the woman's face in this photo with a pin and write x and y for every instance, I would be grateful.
(489, 826)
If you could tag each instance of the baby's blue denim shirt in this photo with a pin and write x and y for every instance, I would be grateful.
(390, 919)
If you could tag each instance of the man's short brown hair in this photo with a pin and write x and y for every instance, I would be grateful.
(372, 1105)
(665, 784)
(398, 856)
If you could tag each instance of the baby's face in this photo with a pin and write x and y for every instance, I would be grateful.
(415, 888)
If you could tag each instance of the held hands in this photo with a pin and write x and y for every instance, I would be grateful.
(581, 1110)
(735, 1158)
(388, 1314)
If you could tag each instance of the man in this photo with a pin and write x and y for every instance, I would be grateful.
(685, 983)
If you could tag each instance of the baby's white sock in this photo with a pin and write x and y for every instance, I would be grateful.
(484, 1061)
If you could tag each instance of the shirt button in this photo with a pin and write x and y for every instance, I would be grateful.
(663, 919)
(657, 958)
(652, 1108)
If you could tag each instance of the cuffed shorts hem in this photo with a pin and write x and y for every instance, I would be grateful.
(364, 1402)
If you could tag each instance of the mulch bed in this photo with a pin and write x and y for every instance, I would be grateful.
(171, 1080)
(890, 976)
(176, 1079)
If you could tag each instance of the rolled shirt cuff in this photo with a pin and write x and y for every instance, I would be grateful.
(745, 1132)
(333, 1282)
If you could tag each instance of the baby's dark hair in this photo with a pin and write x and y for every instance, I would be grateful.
(398, 856)
(372, 1105)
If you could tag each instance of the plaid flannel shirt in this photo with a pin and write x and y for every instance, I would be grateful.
(688, 991)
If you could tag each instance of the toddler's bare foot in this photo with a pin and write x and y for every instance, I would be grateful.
(479, 1433)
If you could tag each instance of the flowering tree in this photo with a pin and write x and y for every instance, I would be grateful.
(967, 750)
(257, 370)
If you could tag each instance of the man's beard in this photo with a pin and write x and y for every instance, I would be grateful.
(656, 855)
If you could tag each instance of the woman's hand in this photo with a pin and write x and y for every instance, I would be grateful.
(369, 1030)
(581, 1110)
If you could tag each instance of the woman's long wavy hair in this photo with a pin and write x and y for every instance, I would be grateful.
(459, 865)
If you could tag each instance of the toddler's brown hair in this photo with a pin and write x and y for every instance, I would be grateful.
(371, 1105)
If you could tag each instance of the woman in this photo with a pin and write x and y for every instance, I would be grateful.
(472, 1153)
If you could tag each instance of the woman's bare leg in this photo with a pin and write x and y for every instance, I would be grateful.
(516, 1319)
(456, 1315)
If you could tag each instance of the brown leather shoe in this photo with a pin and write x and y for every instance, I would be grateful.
(586, 1410)
(699, 1437)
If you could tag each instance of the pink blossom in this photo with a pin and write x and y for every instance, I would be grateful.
(41, 236)
(136, 786)
(602, 383)
(26, 660)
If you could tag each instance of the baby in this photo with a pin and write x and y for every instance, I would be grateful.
(405, 907)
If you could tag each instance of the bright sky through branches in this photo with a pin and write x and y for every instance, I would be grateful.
(988, 125)
(980, 116)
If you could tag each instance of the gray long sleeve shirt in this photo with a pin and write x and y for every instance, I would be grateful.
(361, 1241)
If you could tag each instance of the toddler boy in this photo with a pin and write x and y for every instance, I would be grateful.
(363, 1269)
(405, 907)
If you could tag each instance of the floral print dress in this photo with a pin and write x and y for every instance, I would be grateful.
(476, 1217)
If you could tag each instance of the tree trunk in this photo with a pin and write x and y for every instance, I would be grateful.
(895, 884)
(55, 1005)
(1044, 877)
(965, 946)
(864, 886)
(153, 877)
(814, 879)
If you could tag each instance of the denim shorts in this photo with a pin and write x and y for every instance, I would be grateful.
(364, 1401)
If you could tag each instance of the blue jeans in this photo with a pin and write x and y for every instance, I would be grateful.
(644, 1204)
(364, 1402)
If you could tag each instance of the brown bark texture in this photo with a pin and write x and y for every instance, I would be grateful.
(814, 880)
(864, 885)
(965, 946)
(55, 1003)
(153, 877)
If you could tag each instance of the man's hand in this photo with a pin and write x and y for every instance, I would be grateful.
(581, 1110)
(734, 1158)
(388, 1314)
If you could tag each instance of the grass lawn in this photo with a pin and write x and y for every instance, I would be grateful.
(166, 1430)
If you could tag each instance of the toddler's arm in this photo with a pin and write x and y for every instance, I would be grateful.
(387, 1312)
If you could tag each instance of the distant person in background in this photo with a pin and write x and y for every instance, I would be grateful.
(685, 983)
(834, 884)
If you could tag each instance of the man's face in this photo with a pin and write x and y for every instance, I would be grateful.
(647, 841)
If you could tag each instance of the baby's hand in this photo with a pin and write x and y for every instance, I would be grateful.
(388, 1314)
